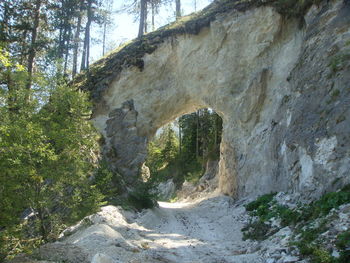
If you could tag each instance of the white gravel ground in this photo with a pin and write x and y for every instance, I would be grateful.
(199, 231)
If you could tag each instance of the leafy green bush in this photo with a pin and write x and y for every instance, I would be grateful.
(261, 202)
(47, 157)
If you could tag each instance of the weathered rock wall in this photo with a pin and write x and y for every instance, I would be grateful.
(282, 90)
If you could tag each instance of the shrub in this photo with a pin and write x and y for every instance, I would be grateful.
(262, 202)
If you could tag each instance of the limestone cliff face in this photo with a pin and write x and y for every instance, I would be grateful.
(282, 89)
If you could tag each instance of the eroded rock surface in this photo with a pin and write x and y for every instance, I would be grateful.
(126, 149)
(282, 89)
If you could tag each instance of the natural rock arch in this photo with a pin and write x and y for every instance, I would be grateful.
(223, 67)
(250, 67)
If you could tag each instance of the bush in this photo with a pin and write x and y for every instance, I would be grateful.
(261, 202)
(46, 163)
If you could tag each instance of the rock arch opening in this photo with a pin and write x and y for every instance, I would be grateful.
(185, 150)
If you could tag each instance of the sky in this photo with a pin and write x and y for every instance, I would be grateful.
(124, 27)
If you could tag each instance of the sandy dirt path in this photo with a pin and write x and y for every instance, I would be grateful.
(200, 231)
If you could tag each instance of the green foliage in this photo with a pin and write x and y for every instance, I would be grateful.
(46, 163)
(108, 183)
(171, 145)
(322, 256)
(185, 160)
(330, 201)
(343, 240)
(288, 216)
(163, 154)
(325, 204)
(343, 243)
(12, 242)
(309, 221)
(261, 203)
(265, 208)
(339, 61)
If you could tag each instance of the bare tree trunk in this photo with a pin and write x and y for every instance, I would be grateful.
(180, 143)
(153, 15)
(12, 94)
(195, 5)
(83, 56)
(216, 130)
(146, 15)
(142, 17)
(41, 217)
(76, 42)
(32, 51)
(4, 23)
(64, 27)
(60, 43)
(69, 37)
(104, 37)
(86, 49)
(22, 43)
(197, 135)
(178, 8)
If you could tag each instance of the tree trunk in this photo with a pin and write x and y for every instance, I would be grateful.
(146, 15)
(178, 8)
(216, 130)
(32, 51)
(104, 37)
(83, 56)
(76, 42)
(195, 5)
(179, 138)
(69, 37)
(142, 17)
(12, 94)
(41, 217)
(60, 43)
(23, 44)
(64, 27)
(86, 49)
(197, 135)
(153, 15)
(4, 23)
